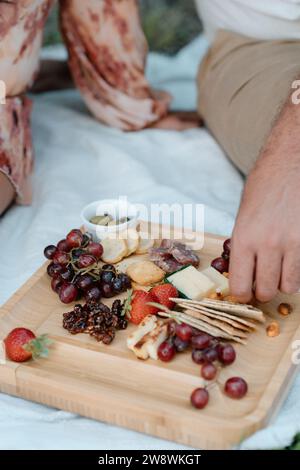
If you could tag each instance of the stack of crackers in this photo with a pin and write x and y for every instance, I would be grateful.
(219, 318)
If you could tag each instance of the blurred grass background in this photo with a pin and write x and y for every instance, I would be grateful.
(168, 24)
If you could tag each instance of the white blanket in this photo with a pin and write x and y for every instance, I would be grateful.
(77, 161)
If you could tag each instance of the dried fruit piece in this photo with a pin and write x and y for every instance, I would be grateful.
(284, 309)
(273, 329)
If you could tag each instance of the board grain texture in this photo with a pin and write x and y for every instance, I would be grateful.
(109, 384)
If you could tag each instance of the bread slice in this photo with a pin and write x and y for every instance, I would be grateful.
(114, 250)
(131, 238)
(145, 244)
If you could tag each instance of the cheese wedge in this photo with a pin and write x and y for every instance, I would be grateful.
(192, 283)
(147, 345)
(156, 337)
(145, 327)
(221, 282)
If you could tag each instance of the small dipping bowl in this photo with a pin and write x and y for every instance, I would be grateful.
(117, 208)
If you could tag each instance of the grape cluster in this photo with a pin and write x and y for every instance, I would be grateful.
(221, 264)
(206, 351)
(76, 272)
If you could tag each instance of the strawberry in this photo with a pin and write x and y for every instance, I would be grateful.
(137, 307)
(22, 344)
(163, 293)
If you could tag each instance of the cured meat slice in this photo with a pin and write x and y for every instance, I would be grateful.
(172, 255)
(184, 255)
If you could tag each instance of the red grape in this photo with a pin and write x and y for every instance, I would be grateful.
(227, 245)
(196, 331)
(200, 398)
(93, 294)
(184, 332)
(117, 285)
(68, 293)
(236, 387)
(67, 274)
(107, 290)
(208, 371)
(226, 354)
(109, 267)
(61, 257)
(54, 268)
(56, 283)
(126, 281)
(201, 341)
(63, 245)
(221, 265)
(210, 354)
(95, 249)
(75, 238)
(172, 328)
(49, 251)
(87, 237)
(107, 276)
(86, 261)
(84, 282)
(180, 345)
(197, 356)
(166, 351)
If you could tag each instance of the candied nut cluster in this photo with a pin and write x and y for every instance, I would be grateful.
(96, 319)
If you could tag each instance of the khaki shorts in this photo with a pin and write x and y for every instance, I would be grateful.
(243, 85)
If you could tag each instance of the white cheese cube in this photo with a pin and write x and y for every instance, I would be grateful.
(192, 283)
(221, 281)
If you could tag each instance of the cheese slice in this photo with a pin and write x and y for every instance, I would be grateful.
(145, 327)
(156, 337)
(221, 281)
(192, 283)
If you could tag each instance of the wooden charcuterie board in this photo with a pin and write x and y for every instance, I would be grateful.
(108, 383)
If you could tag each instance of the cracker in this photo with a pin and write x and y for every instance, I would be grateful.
(145, 273)
(145, 244)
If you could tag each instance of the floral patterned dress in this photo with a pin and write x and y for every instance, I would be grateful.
(107, 53)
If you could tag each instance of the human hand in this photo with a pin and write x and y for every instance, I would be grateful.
(179, 121)
(266, 238)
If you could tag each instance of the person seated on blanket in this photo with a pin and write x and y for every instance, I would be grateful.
(246, 83)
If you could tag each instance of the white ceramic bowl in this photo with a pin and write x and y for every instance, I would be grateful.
(117, 208)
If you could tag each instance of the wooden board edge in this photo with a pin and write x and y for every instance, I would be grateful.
(31, 388)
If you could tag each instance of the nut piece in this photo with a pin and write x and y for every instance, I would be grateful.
(273, 329)
(285, 309)
(216, 296)
(226, 275)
